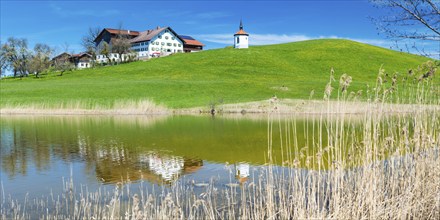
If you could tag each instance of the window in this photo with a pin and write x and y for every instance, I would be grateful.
(238, 40)
(169, 44)
(157, 43)
(179, 45)
(163, 43)
(174, 44)
(172, 38)
(160, 36)
(166, 37)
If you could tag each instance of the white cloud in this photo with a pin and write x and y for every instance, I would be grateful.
(265, 39)
(254, 39)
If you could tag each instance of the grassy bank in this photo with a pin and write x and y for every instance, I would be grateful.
(213, 77)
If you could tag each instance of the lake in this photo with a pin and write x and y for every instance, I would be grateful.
(39, 152)
(45, 160)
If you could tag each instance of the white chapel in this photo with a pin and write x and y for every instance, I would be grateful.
(241, 38)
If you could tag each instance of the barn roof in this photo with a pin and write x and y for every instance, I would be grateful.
(188, 40)
(117, 31)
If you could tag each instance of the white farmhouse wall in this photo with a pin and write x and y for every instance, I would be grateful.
(165, 43)
(83, 65)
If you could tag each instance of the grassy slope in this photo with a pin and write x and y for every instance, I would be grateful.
(187, 80)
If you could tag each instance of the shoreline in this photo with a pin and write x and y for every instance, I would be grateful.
(283, 107)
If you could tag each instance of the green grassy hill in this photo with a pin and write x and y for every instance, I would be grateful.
(231, 75)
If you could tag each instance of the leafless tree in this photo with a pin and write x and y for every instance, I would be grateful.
(88, 41)
(3, 62)
(63, 66)
(105, 50)
(409, 19)
(40, 59)
(121, 43)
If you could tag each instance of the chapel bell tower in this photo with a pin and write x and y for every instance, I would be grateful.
(241, 38)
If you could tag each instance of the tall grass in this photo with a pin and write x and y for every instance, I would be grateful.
(117, 107)
(388, 168)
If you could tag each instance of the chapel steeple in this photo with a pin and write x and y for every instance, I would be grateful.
(241, 38)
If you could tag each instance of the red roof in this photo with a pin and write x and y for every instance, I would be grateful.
(241, 32)
(193, 42)
(124, 32)
(115, 32)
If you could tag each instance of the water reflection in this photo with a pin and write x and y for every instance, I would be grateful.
(127, 149)
(242, 172)
(153, 167)
(118, 150)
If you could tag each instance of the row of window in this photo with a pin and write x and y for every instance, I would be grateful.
(112, 55)
(152, 48)
(141, 49)
(166, 37)
(140, 44)
(168, 44)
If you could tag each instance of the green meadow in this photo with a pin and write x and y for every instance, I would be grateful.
(228, 75)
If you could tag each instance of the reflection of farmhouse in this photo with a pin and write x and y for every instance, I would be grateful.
(160, 41)
(115, 165)
(242, 172)
(80, 61)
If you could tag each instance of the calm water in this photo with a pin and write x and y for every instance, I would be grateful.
(38, 153)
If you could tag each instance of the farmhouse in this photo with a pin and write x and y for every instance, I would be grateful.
(160, 41)
(80, 61)
(157, 42)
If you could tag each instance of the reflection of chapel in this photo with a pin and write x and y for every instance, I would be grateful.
(241, 38)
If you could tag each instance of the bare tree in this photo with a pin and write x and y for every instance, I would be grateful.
(3, 63)
(88, 41)
(409, 19)
(40, 60)
(121, 43)
(63, 66)
(105, 50)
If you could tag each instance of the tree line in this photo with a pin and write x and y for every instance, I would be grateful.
(16, 56)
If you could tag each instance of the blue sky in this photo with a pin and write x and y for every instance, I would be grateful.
(58, 23)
